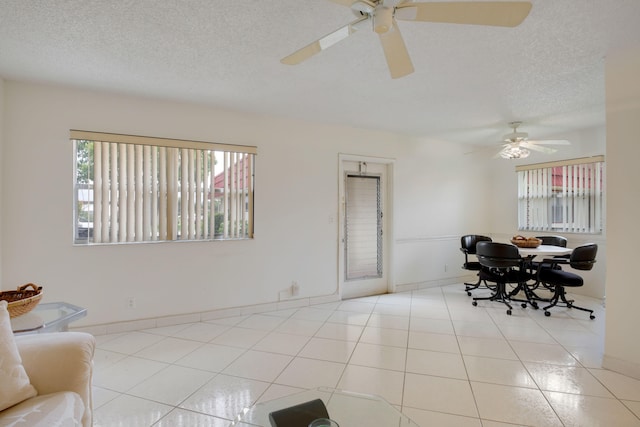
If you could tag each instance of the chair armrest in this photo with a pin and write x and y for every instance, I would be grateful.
(60, 361)
(554, 262)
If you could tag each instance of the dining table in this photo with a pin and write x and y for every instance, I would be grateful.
(544, 250)
(528, 254)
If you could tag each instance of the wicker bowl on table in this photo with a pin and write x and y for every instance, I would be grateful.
(531, 242)
(22, 300)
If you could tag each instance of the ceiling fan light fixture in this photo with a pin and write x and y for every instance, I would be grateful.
(514, 152)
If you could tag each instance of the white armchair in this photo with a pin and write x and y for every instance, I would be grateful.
(60, 367)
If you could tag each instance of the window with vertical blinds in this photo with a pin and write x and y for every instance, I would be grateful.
(561, 196)
(143, 189)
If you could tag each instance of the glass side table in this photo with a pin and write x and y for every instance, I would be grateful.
(47, 317)
(347, 408)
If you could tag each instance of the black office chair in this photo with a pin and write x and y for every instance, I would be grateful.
(582, 258)
(502, 264)
(553, 241)
(468, 247)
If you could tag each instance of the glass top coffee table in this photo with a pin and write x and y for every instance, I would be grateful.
(347, 408)
(47, 317)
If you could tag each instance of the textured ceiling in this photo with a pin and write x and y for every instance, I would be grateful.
(469, 80)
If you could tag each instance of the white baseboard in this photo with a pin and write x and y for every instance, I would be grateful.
(405, 287)
(624, 367)
(158, 322)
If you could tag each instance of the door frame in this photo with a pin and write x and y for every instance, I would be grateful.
(388, 239)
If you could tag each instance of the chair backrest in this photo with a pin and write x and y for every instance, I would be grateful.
(468, 243)
(583, 257)
(498, 255)
(553, 241)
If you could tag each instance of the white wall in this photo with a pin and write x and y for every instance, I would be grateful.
(439, 197)
(622, 346)
(503, 198)
(296, 193)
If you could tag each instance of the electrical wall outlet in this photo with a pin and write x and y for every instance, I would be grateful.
(131, 302)
(295, 288)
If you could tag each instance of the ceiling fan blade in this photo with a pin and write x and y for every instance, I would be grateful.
(347, 3)
(549, 142)
(494, 13)
(535, 147)
(395, 51)
(322, 43)
(500, 151)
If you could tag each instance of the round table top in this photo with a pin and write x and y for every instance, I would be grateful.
(545, 250)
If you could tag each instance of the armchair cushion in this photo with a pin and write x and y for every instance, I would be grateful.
(63, 408)
(16, 386)
(60, 362)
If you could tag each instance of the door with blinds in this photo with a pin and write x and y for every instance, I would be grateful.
(364, 239)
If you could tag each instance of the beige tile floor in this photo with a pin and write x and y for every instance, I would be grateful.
(430, 353)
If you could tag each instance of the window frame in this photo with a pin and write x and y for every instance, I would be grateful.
(576, 194)
(142, 176)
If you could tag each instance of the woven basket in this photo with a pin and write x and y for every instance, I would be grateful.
(22, 300)
(529, 243)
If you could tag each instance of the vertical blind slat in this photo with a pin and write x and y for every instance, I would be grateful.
(138, 194)
(225, 206)
(97, 193)
(124, 175)
(162, 194)
(154, 194)
(146, 193)
(199, 192)
(130, 204)
(114, 194)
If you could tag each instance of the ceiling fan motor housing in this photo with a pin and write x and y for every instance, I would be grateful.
(362, 8)
(516, 136)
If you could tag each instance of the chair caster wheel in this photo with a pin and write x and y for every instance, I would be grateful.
(509, 312)
(535, 306)
(475, 303)
(523, 305)
(591, 316)
(468, 293)
(546, 313)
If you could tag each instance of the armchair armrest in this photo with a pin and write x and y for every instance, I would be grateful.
(60, 361)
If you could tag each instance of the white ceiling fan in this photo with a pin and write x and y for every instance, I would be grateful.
(383, 14)
(517, 145)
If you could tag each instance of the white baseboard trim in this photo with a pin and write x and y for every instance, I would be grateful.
(624, 367)
(158, 322)
(405, 287)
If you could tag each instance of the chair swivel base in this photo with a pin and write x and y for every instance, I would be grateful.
(531, 297)
(468, 287)
(500, 295)
(560, 297)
